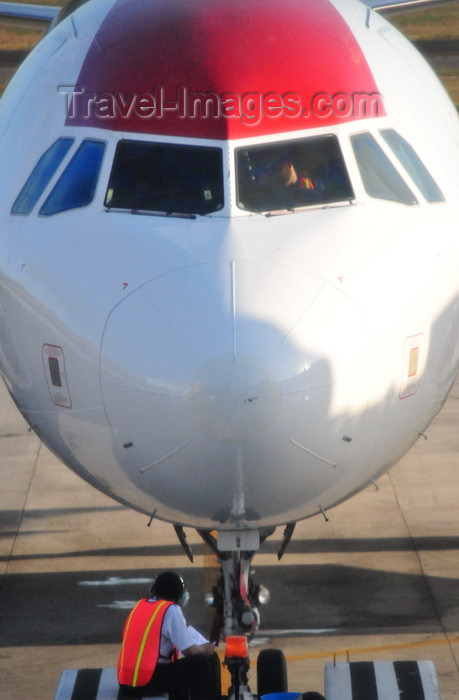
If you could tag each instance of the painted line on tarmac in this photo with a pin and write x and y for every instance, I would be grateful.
(376, 649)
(117, 581)
(119, 605)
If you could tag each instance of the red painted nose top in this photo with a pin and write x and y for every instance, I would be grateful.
(221, 69)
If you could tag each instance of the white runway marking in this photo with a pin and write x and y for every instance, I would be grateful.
(117, 581)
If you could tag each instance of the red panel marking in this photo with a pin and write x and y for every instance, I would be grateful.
(226, 48)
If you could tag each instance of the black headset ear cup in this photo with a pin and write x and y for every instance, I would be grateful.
(184, 595)
(184, 598)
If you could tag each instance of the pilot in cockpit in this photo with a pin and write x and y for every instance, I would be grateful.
(288, 174)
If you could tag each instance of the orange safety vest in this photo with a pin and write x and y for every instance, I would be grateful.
(141, 642)
(306, 183)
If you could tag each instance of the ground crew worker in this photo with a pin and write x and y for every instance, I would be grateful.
(154, 634)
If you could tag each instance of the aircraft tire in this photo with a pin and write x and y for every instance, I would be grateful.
(271, 672)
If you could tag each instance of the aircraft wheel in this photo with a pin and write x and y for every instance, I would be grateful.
(271, 672)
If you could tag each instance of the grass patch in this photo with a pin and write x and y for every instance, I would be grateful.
(59, 3)
(450, 80)
(436, 23)
(12, 39)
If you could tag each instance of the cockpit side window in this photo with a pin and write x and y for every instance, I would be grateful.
(413, 165)
(41, 175)
(380, 179)
(292, 174)
(77, 184)
(166, 178)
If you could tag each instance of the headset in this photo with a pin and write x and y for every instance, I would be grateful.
(170, 586)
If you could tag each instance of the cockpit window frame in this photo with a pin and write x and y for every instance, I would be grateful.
(413, 165)
(293, 174)
(41, 175)
(76, 187)
(380, 177)
(190, 182)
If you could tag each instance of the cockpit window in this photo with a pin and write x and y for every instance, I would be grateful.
(292, 174)
(413, 166)
(40, 176)
(77, 184)
(380, 179)
(163, 177)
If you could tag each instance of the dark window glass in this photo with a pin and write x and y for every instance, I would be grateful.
(168, 178)
(292, 174)
(381, 180)
(413, 166)
(40, 176)
(54, 371)
(77, 184)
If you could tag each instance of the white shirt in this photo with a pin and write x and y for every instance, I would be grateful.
(176, 633)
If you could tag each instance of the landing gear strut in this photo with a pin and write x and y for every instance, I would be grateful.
(235, 597)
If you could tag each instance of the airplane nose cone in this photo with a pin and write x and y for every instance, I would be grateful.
(216, 375)
(183, 353)
(234, 399)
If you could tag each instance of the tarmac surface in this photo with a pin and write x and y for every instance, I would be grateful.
(379, 580)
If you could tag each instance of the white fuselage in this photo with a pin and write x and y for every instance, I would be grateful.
(235, 369)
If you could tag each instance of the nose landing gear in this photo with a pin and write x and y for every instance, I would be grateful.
(235, 597)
